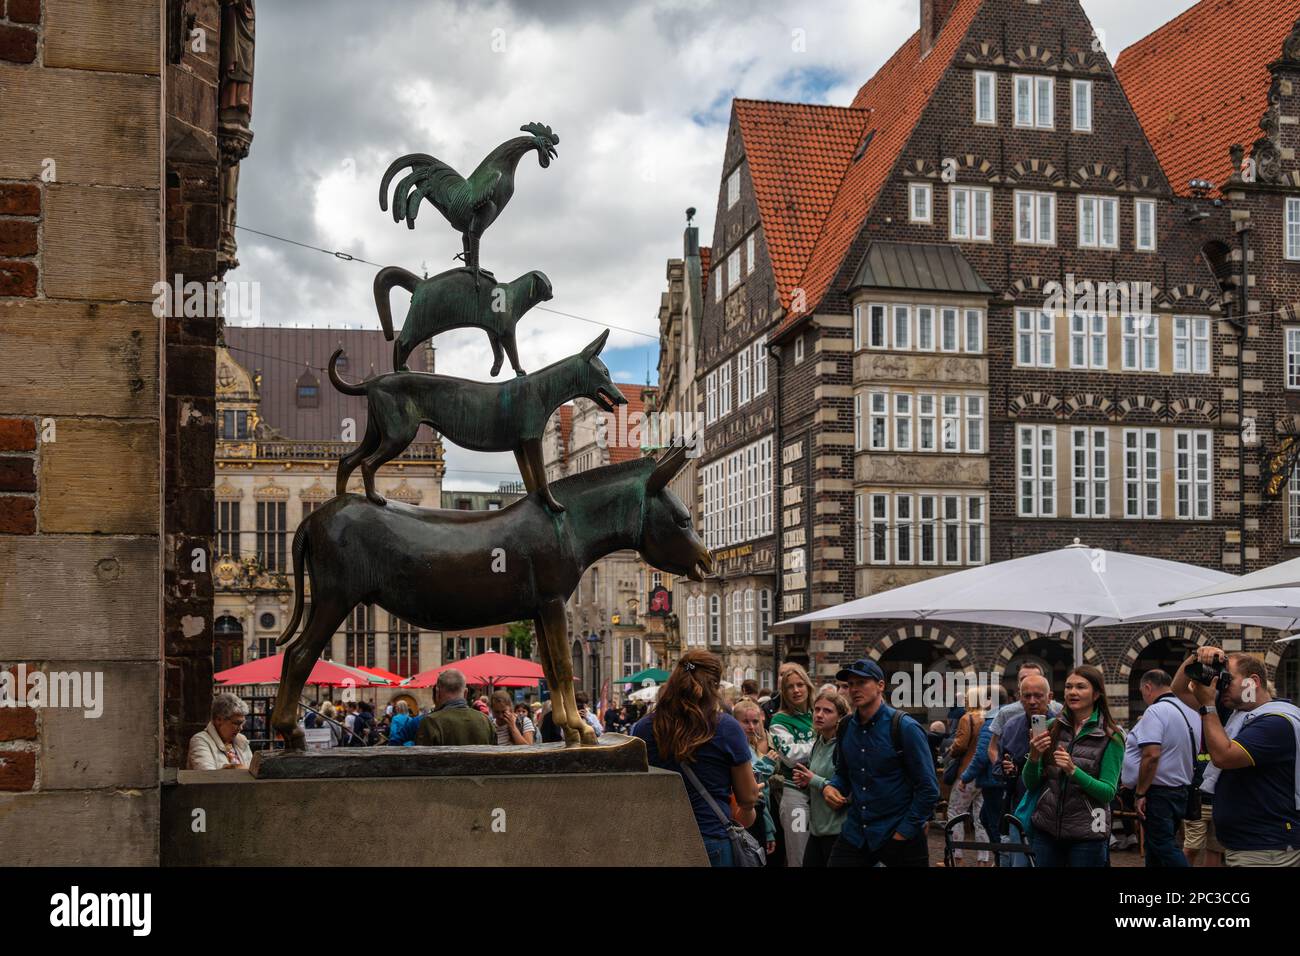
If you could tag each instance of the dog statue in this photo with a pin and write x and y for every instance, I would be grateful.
(450, 300)
(480, 416)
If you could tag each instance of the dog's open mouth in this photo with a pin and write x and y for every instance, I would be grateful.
(607, 399)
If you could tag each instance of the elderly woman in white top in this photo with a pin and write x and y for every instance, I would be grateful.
(220, 746)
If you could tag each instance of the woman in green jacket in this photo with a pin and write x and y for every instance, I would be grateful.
(1074, 768)
(792, 736)
(824, 823)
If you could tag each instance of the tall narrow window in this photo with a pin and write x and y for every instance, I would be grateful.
(974, 330)
(1192, 474)
(925, 328)
(879, 540)
(902, 422)
(1141, 473)
(359, 636)
(920, 202)
(903, 527)
(975, 424)
(733, 269)
(228, 528)
(1293, 228)
(1081, 97)
(1035, 218)
(927, 435)
(711, 398)
(902, 327)
(1144, 225)
(857, 422)
(975, 533)
(877, 329)
(859, 532)
(724, 389)
(1293, 357)
(1090, 477)
(969, 211)
(948, 330)
(733, 188)
(760, 365)
(927, 530)
(715, 619)
(1098, 222)
(749, 616)
(272, 535)
(765, 616)
(1035, 102)
(1141, 343)
(951, 529)
(749, 254)
(742, 377)
(1036, 468)
(986, 102)
(950, 430)
(879, 421)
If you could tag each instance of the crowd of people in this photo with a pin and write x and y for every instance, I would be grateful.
(832, 775)
(835, 776)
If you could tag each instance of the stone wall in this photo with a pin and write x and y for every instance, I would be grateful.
(80, 251)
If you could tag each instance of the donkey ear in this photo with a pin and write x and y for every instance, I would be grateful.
(667, 466)
(594, 348)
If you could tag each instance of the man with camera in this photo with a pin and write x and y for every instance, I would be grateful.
(1257, 783)
(1160, 766)
(1013, 749)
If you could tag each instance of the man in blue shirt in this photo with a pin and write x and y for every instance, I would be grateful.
(891, 787)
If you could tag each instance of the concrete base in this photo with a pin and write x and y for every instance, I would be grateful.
(582, 819)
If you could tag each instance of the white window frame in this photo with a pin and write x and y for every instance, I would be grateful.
(798, 349)
(759, 365)
(742, 377)
(925, 328)
(989, 117)
(733, 188)
(1088, 339)
(1092, 220)
(973, 321)
(1192, 344)
(1081, 119)
(877, 543)
(900, 326)
(1036, 471)
(1193, 474)
(878, 316)
(1141, 473)
(1144, 208)
(859, 532)
(715, 620)
(924, 192)
(1041, 231)
(1037, 330)
(975, 428)
(749, 253)
(711, 397)
(904, 543)
(950, 424)
(976, 529)
(878, 423)
(724, 389)
(1089, 472)
(1291, 232)
(950, 529)
(902, 435)
(949, 314)
(975, 228)
(927, 525)
(1140, 343)
(1292, 336)
(733, 269)
(927, 422)
(1029, 115)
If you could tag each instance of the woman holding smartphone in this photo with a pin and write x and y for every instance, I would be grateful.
(1074, 765)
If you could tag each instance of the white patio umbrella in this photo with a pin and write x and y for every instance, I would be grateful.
(1066, 590)
(645, 694)
(1284, 575)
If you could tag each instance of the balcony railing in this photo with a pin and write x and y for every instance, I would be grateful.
(314, 450)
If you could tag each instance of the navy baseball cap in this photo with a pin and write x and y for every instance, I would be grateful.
(863, 667)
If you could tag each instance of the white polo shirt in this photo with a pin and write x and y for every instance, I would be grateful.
(1163, 724)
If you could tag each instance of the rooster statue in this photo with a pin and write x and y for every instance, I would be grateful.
(470, 205)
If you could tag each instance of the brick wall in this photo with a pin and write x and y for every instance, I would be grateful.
(80, 237)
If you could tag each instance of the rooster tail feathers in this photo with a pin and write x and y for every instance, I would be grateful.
(401, 162)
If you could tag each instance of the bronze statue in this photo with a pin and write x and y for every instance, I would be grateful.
(470, 205)
(480, 416)
(450, 301)
(450, 569)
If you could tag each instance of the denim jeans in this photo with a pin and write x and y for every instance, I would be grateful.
(1014, 860)
(1073, 853)
(719, 850)
(1165, 807)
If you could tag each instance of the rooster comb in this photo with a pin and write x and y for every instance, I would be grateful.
(539, 129)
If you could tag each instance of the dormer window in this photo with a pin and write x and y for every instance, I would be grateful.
(342, 364)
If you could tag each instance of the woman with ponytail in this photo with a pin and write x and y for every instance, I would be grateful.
(688, 728)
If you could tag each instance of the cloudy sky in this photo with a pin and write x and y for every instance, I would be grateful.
(639, 93)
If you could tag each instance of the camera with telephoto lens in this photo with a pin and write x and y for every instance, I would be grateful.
(1207, 674)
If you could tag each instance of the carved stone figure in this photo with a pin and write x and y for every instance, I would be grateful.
(470, 205)
(450, 301)
(480, 416)
(435, 568)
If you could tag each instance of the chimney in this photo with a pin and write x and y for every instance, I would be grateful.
(934, 13)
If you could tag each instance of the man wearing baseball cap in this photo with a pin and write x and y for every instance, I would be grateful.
(883, 774)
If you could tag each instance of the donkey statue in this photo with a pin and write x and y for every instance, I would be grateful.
(448, 570)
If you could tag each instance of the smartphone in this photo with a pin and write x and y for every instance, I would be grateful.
(1038, 724)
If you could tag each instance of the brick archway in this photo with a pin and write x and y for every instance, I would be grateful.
(1020, 639)
(1173, 630)
(938, 636)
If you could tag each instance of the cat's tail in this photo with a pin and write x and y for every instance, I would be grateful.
(341, 385)
(388, 277)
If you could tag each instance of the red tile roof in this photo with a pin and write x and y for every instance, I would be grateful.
(566, 431)
(797, 155)
(618, 450)
(705, 255)
(1200, 83)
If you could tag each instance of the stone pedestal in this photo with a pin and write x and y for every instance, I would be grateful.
(560, 819)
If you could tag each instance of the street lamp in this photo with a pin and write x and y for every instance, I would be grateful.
(594, 640)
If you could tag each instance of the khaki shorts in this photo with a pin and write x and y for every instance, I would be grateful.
(1199, 834)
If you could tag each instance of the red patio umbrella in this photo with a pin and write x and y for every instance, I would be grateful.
(266, 670)
(490, 668)
(382, 674)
